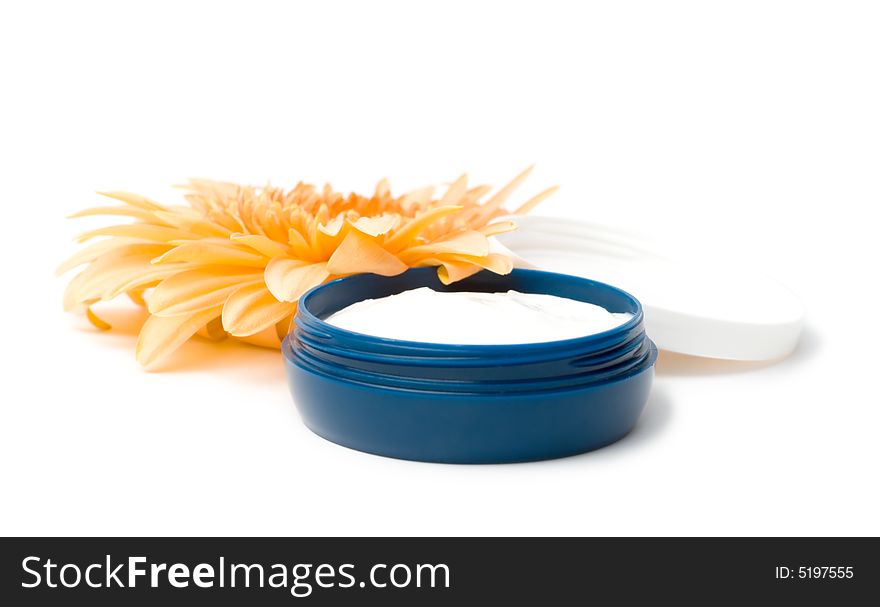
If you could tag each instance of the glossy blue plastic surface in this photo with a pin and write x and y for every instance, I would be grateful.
(466, 403)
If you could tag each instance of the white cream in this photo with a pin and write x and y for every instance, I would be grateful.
(476, 318)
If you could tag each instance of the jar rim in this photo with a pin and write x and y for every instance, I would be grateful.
(594, 359)
(305, 315)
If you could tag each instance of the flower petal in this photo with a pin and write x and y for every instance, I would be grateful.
(287, 279)
(267, 338)
(144, 231)
(137, 296)
(193, 221)
(134, 200)
(326, 238)
(407, 232)
(213, 253)
(97, 321)
(117, 271)
(252, 308)
(478, 192)
(261, 244)
(332, 227)
(469, 242)
(196, 290)
(450, 270)
(129, 211)
(299, 246)
(494, 262)
(498, 227)
(93, 251)
(417, 198)
(532, 202)
(213, 330)
(455, 192)
(161, 335)
(378, 225)
(494, 203)
(360, 253)
(453, 268)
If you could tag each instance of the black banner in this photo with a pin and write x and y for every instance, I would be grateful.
(435, 571)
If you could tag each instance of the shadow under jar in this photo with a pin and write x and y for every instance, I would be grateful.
(468, 403)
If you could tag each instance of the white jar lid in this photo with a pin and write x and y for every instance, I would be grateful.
(699, 307)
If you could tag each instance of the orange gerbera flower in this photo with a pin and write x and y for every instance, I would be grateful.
(235, 261)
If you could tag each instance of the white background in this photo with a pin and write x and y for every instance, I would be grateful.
(748, 128)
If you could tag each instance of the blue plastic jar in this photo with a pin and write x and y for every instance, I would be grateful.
(468, 403)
